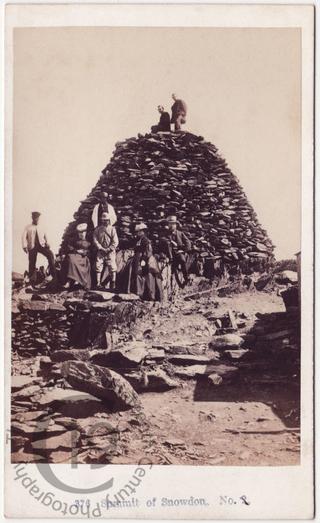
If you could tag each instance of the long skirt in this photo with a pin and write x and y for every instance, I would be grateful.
(146, 284)
(79, 270)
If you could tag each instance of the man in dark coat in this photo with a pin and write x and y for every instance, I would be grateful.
(164, 122)
(179, 113)
(177, 246)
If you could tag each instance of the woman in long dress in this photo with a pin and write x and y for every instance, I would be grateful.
(78, 263)
(144, 277)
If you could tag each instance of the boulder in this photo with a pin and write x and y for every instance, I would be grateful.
(115, 391)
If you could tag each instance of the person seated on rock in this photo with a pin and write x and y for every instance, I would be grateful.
(103, 206)
(179, 112)
(106, 241)
(177, 247)
(164, 122)
(142, 274)
(78, 264)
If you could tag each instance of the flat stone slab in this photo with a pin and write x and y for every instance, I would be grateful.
(156, 354)
(38, 427)
(61, 456)
(126, 297)
(130, 355)
(177, 349)
(19, 382)
(100, 296)
(70, 396)
(235, 354)
(26, 392)
(158, 380)
(188, 359)
(101, 306)
(25, 457)
(226, 341)
(28, 416)
(28, 305)
(67, 440)
(151, 381)
(191, 371)
(71, 354)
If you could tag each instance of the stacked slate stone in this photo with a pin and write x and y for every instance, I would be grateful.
(152, 176)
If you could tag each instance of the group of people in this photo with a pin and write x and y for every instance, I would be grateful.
(141, 274)
(178, 116)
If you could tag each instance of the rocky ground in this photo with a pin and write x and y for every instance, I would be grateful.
(211, 379)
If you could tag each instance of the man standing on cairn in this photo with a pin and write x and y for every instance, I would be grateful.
(106, 241)
(103, 206)
(179, 113)
(177, 246)
(164, 122)
(34, 241)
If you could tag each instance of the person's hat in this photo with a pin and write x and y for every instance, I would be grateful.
(140, 227)
(81, 227)
(35, 214)
(105, 216)
(172, 219)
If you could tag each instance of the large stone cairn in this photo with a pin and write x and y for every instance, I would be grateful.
(152, 176)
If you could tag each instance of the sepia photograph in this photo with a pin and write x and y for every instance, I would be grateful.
(156, 248)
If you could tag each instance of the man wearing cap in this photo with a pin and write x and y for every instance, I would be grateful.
(179, 112)
(103, 206)
(177, 247)
(34, 241)
(106, 241)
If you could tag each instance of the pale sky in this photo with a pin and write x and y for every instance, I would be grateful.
(78, 91)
